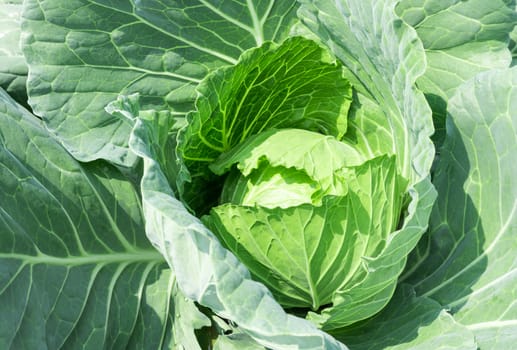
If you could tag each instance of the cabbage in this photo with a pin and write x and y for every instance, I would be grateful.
(302, 210)
(237, 174)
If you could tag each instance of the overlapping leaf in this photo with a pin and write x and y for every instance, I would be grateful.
(13, 68)
(471, 265)
(308, 254)
(409, 323)
(76, 268)
(384, 72)
(297, 84)
(385, 58)
(83, 53)
(317, 156)
(461, 39)
(208, 273)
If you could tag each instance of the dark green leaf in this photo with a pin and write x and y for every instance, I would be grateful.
(76, 268)
(84, 53)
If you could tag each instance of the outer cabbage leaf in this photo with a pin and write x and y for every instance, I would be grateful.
(236, 342)
(208, 273)
(13, 68)
(461, 39)
(76, 268)
(232, 338)
(513, 42)
(409, 322)
(470, 266)
(83, 53)
(385, 59)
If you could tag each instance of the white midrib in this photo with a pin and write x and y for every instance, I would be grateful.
(257, 25)
(492, 324)
(107, 258)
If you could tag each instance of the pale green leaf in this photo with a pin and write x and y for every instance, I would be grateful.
(271, 187)
(376, 285)
(461, 39)
(237, 341)
(13, 68)
(309, 256)
(300, 163)
(513, 41)
(83, 53)
(208, 273)
(471, 265)
(291, 148)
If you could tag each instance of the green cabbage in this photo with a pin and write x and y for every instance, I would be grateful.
(238, 174)
(272, 160)
(302, 209)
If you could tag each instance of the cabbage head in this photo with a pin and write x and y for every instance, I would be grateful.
(301, 209)
(305, 178)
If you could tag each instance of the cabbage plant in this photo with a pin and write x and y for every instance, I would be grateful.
(307, 174)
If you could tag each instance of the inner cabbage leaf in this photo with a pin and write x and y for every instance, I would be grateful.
(305, 253)
(310, 167)
(294, 85)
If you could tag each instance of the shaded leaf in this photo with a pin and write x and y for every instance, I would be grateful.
(409, 322)
(470, 266)
(76, 268)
